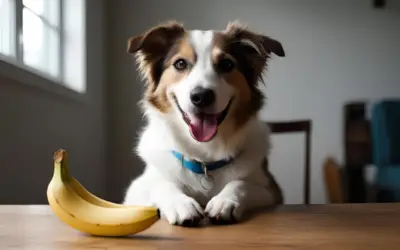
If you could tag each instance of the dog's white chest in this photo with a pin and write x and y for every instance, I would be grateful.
(204, 186)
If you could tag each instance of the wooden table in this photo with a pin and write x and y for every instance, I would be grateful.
(339, 227)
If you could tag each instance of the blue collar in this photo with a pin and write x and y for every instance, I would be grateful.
(198, 167)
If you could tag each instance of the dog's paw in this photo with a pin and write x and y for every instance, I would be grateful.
(223, 210)
(182, 211)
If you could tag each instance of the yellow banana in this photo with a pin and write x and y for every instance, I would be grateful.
(84, 211)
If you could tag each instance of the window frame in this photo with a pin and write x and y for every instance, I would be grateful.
(18, 40)
(71, 80)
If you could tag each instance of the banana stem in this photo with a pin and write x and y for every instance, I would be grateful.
(61, 165)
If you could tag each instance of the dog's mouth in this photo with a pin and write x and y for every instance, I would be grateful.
(204, 126)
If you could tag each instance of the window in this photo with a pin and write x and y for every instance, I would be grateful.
(7, 28)
(42, 36)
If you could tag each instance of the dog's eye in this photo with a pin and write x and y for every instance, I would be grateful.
(226, 65)
(180, 64)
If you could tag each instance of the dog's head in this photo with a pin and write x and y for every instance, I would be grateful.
(209, 79)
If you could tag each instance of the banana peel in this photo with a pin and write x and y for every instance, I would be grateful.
(74, 205)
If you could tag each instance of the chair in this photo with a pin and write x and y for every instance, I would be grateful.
(385, 134)
(292, 127)
(333, 175)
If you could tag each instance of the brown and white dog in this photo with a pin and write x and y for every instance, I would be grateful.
(204, 148)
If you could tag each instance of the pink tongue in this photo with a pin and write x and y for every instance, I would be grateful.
(204, 127)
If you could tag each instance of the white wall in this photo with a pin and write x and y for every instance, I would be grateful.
(34, 122)
(337, 51)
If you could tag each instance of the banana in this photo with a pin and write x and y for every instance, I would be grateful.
(91, 198)
(86, 212)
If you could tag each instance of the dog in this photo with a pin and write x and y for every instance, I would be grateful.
(204, 148)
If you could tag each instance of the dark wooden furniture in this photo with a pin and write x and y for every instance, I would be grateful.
(293, 127)
(344, 226)
(358, 150)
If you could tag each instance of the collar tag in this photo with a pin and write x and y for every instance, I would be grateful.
(207, 182)
(204, 167)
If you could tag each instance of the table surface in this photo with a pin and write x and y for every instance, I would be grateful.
(345, 226)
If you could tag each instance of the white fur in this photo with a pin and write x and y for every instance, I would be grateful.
(176, 191)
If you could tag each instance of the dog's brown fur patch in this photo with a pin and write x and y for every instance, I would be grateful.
(240, 109)
(156, 51)
(180, 50)
(250, 63)
(152, 47)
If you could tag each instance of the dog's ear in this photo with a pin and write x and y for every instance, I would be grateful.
(156, 40)
(263, 44)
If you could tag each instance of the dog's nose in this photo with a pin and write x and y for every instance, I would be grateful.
(202, 97)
